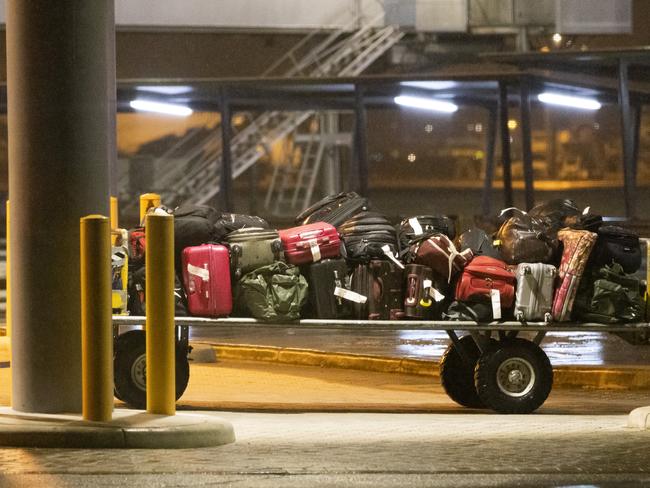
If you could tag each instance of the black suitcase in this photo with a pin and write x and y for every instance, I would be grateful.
(381, 282)
(421, 301)
(324, 277)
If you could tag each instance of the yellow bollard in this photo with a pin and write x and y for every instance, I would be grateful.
(161, 358)
(96, 320)
(8, 298)
(114, 214)
(114, 218)
(147, 201)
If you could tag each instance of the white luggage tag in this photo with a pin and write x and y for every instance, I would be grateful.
(495, 297)
(586, 210)
(415, 225)
(349, 295)
(315, 249)
(202, 273)
(390, 256)
(433, 293)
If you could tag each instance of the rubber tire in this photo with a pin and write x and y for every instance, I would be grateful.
(129, 348)
(457, 378)
(486, 377)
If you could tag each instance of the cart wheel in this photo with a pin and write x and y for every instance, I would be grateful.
(457, 378)
(516, 377)
(130, 369)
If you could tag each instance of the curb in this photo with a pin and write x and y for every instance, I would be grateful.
(588, 377)
(132, 429)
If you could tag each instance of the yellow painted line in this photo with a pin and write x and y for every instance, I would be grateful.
(588, 377)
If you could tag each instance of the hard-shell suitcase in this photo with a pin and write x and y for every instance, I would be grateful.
(577, 248)
(483, 275)
(310, 243)
(206, 278)
(253, 248)
(535, 284)
(423, 297)
(327, 282)
(381, 283)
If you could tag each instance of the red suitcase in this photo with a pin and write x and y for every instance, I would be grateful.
(577, 248)
(483, 274)
(206, 278)
(310, 243)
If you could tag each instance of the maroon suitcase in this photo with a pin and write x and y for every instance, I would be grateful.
(577, 247)
(310, 243)
(206, 278)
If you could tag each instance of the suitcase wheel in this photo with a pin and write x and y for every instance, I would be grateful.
(548, 317)
(519, 315)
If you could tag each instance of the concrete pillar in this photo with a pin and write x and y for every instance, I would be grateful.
(59, 113)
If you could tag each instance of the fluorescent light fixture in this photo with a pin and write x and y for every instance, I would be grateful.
(165, 89)
(569, 101)
(160, 108)
(426, 103)
(430, 85)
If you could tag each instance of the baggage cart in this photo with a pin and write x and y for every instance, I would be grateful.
(487, 365)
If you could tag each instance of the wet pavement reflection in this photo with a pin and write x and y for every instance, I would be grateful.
(563, 348)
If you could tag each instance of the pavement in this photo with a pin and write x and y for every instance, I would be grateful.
(312, 425)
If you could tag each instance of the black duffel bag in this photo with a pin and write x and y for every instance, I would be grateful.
(229, 222)
(193, 225)
(617, 245)
(333, 209)
(365, 235)
(420, 226)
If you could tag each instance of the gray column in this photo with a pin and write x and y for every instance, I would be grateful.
(58, 56)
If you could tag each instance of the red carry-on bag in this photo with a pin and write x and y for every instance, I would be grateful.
(484, 274)
(310, 243)
(206, 278)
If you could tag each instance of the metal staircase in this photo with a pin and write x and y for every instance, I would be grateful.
(344, 52)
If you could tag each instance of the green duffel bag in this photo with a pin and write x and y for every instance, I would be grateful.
(274, 293)
(613, 297)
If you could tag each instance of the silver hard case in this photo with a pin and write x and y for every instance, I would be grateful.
(535, 285)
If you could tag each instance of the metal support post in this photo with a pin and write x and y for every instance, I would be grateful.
(359, 167)
(225, 176)
(147, 201)
(627, 134)
(638, 111)
(490, 144)
(505, 145)
(160, 348)
(526, 143)
(96, 319)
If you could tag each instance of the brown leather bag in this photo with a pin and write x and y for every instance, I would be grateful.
(523, 239)
(439, 253)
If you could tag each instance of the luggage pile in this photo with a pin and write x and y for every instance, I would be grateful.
(344, 259)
